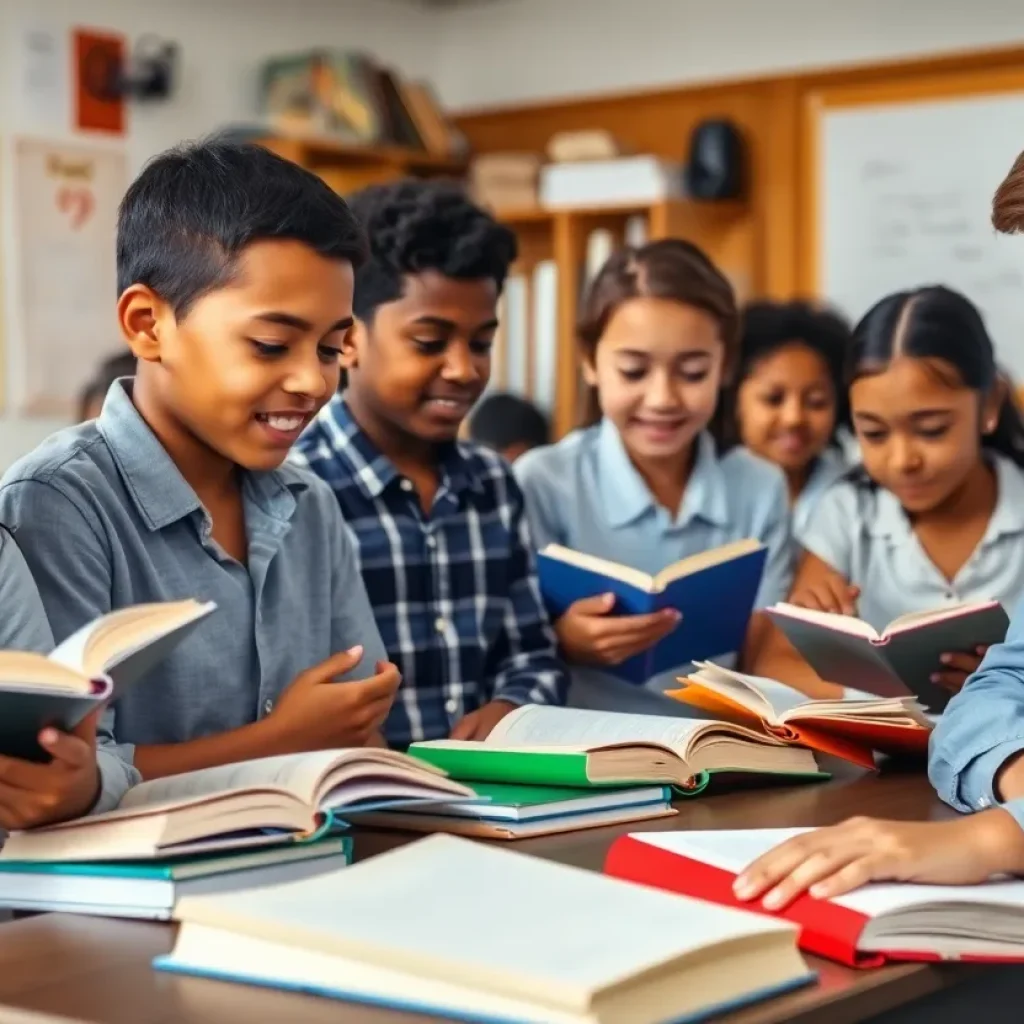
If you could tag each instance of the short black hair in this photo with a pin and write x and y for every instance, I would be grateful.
(413, 226)
(112, 368)
(765, 327)
(192, 211)
(502, 420)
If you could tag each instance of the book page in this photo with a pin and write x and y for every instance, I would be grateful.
(729, 849)
(704, 560)
(767, 698)
(536, 725)
(601, 566)
(298, 773)
(917, 619)
(828, 620)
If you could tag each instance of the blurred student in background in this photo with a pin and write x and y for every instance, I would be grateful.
(509, 424)
(935, 515)
(90, 401)
(788, 402)
(643, 482)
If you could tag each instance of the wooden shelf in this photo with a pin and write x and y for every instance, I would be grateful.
(320, 154)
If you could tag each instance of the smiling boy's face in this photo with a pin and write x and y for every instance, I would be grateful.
(420, 365)
(250, 364)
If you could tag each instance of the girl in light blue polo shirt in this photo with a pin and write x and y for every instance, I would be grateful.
(788, 399)
(935, 515)
(642, 482)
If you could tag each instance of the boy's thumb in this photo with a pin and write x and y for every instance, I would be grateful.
(599, 604)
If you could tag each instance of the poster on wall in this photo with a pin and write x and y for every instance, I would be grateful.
(97, 56)
(66, 197)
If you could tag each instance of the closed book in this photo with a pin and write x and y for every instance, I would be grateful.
(714, 592)
(868, 927)
(849, 729)
(522, 812)
(95, 664)
(902, 658)
(150, 890)
(553, 746)
(268, 801)
(560, 946)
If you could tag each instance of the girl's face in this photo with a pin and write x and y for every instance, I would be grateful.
(786, 407)
(657, 371)
(918, 429)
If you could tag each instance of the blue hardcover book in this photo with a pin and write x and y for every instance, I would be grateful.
(713, 591)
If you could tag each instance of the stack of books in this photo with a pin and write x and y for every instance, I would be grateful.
(220, 829)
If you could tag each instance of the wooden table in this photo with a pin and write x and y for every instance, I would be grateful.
(99, 970)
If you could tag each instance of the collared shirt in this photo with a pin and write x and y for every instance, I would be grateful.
(828, 468)
(23, 622)
(455, 592)
(864, 534)
(105, 520)
(585, 493)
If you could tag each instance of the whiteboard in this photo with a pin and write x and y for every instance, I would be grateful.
(904, 199)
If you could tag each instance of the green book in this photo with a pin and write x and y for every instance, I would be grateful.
(552, 746)
(180, 868)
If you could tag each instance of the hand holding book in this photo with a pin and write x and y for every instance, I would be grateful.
(830, 862)
(66, 786)
(590, 632)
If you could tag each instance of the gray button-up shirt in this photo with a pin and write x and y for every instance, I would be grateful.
(105, 520)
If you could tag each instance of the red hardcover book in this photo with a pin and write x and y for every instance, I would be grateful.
(866, 928)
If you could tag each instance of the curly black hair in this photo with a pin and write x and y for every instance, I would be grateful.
(415, 226)
(768, 326)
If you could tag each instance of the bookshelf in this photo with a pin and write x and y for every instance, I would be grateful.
(725, 230)
(347, 167)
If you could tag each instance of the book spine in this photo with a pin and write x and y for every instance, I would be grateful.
(826, 929)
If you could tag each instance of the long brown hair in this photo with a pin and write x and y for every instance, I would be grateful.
(1008, 202)
(667, 269)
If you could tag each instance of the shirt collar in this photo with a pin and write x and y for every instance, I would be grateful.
(626, 497)
(1007, 517)
(160, 493)
(373, 471)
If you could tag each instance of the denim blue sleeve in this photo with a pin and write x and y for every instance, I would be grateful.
(982, 726)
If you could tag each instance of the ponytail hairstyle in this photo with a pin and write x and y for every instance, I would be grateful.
(938, 323)
(667, 269)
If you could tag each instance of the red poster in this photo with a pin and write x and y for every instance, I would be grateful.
(98, 59)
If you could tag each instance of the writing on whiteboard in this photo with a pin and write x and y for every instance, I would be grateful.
(905, 201)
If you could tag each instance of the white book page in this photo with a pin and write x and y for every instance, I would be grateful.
(553, 936)
(830, 620)
(765, 697)
(298, 773)
(734, 850)
(536, 725)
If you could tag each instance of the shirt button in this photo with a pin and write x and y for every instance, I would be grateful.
(451, 706)
(431, 541)
(406, 485)
(983, 802)
(440, 625)
(268, 706)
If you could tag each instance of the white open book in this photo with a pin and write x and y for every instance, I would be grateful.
(273, 799)
(95, 664)
(598, 747)
(567, 947)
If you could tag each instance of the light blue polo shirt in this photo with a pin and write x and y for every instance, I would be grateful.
(585, 493)
(864, 534)
(829, 467)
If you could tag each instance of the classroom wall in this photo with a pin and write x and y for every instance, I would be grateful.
(514, 51)
(222, 42)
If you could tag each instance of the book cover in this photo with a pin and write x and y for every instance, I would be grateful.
(715, 602)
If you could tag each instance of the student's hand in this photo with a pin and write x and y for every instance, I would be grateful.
(956, 667)
(40, 794)
(477, 725)
(827, 593)
(317, 712)
(590, 634)
(831, 861)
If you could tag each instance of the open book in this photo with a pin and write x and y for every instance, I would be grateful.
(865, 928)
(254, 803)
(714, 591)
(95, 664)
(899, 660)
(553, 746)
(850, 729)
(409, 929)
